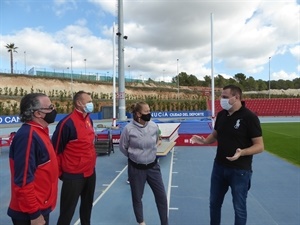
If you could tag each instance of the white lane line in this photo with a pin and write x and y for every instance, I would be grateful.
(109, 186)
(173, 208)
(106, 189)
(263, 208)
(170, 180)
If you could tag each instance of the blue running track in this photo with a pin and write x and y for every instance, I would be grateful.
(274, 198)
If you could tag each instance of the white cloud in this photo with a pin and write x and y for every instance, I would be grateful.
(245, 35)
(106, 5)
(295, 51)
(61, 7)
(54, 50)
(283, 75)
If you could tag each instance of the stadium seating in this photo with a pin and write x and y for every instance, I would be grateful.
(268, 107)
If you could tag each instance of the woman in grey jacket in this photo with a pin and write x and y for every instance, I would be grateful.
(138, 142)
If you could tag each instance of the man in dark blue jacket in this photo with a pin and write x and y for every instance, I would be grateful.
(33, 163)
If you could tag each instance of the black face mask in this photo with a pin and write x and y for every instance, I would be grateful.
(50, 117)
(146, 117)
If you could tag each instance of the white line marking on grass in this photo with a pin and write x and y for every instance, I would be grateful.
(106, 189)
(283, 134)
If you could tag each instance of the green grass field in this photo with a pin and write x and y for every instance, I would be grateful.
(283, 140)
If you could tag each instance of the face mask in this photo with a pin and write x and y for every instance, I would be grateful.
(146, 117)
(89, 107)
(224, 102)
(50, 117)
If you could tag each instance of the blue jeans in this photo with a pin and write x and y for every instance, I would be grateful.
(239, 181)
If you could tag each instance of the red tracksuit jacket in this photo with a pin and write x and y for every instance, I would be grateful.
(34, 173)
(73, 141)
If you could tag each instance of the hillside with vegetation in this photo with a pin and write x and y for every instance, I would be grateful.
(161, 96)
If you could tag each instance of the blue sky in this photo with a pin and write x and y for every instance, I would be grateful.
(246, 34)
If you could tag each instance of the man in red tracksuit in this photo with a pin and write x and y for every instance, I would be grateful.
(73, 141)
(33, 163)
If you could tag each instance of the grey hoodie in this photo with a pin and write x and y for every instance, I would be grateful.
(139, 142)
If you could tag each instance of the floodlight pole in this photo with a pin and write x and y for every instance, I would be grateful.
(71, 71)
(121, 80)
(269, 77)
(25, 62)
(212, 71)
(114, 123)
(129, 73)
(177, 81)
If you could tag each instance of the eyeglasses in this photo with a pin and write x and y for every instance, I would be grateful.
(51, 107)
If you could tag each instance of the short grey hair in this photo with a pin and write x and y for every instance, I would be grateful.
(29, 103)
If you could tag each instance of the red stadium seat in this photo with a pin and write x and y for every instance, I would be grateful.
(268, 107)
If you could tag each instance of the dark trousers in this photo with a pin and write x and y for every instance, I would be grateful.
(27, 222)
(70, 192)
(138, 179)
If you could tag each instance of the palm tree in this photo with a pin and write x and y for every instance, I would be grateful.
(11, 48)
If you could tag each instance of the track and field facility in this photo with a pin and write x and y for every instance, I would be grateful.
(274, 197)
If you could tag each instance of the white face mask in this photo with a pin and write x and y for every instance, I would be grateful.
(224, 102)
(89, 107)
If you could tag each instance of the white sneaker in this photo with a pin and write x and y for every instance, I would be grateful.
(143, 223)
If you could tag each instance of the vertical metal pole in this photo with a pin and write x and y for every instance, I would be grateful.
(212, 71)
(71, 71)
(177, 81)
(25, 61)
(114, 78)
(121, 80)
(129, 73)
(269, 77)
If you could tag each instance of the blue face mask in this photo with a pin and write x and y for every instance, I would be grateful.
(89, 107)
(224, 102)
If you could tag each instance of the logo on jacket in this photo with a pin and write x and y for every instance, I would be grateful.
(87, 124)
(237, 124)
